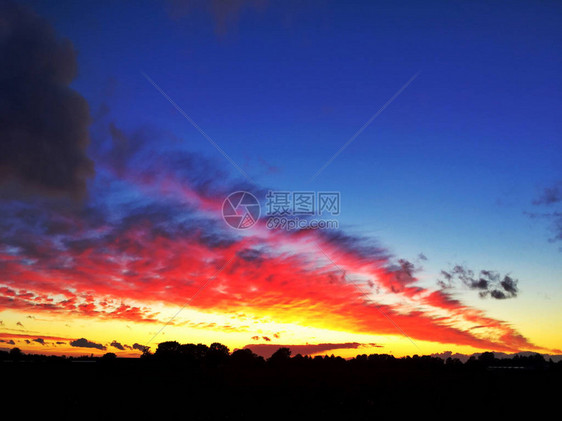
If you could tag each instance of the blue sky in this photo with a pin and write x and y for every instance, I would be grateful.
(448, 169)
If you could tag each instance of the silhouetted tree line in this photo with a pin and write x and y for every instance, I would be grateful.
(200, 382)
(218, 355)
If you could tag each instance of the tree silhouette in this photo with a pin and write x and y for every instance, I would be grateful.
(109, 356)
(245, 358)
(487, 359)
(16, 354)
(217, 354)
(280, 357)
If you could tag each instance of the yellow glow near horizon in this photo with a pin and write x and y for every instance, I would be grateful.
(193, 326)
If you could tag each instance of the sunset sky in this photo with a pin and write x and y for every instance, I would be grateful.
(124, 126)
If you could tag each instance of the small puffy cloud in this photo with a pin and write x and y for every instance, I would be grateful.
(84, 343)
(39, 341)
(487, 282)
(139, 347)
(117, 345)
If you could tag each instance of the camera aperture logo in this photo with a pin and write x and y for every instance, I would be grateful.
(287, 210)
(241, 210)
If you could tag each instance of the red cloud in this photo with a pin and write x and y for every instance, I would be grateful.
(305, 288)
(23, 336)
(104, 270)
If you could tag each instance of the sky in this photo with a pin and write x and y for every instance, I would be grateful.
(125, 126)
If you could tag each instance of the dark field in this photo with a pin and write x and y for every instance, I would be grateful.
(241, 386)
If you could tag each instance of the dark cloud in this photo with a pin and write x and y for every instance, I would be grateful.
(84, 343)
(363, 246)
(139, 347)
(39, 340)
(550, 195)
(250, 255)
(43, 122)
(509, 285)
(487, 283)
(10, 342)
(401, 275)
(117, 345)
(137, 156)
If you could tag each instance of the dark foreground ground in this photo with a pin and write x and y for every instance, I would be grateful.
(290, 388)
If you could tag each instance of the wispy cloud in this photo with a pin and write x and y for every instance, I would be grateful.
(548, 202)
